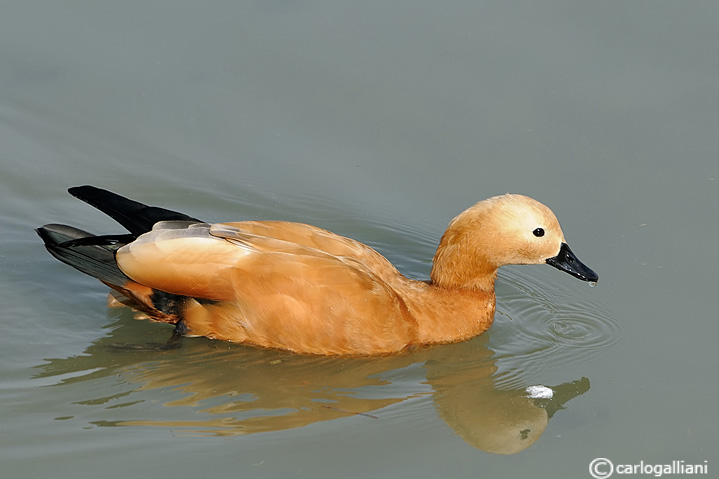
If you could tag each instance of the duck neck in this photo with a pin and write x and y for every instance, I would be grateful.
(477, 282)
(447, 315)
(453, 269)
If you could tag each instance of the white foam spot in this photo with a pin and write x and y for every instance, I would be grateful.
(539, 392)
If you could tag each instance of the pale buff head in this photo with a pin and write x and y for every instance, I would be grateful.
(502, 230)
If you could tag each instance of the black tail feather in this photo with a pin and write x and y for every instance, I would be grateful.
(95, 255)
(136, 217)
(76, 248)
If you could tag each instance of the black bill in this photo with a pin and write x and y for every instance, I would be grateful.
(567, 262)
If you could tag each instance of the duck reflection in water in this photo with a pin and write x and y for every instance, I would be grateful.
(236, 390)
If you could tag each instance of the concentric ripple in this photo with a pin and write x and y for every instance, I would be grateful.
(542, 326)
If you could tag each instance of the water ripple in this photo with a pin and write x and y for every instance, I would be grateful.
(542, 326)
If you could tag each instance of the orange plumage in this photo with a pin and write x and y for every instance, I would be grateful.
(297, 287)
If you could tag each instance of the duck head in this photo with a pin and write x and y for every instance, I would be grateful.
(502, 230)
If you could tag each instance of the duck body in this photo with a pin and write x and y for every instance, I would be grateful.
(300, 288)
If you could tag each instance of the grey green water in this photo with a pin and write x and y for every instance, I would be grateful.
(380, 121)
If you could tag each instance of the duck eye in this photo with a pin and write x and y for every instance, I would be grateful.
(539, 232)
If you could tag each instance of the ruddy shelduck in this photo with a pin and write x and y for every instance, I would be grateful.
(300, 288)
